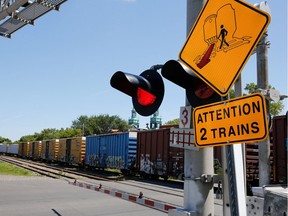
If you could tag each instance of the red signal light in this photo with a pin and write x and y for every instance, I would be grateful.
(198, 93)
(147, 89)
(145, 98)
(203, 91)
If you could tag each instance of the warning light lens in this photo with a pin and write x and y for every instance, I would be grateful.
(145, 98)
(203, 91)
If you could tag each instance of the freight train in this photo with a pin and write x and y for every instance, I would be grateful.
(147, 153)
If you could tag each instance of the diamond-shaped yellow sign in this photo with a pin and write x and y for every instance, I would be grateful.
(221, 41)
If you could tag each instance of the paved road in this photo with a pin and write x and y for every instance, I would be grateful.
(35, 196)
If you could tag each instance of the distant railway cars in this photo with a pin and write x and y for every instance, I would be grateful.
(24, 148)
(3, 148)
(12, 149)
(114, 151)
(9, 149)
(35, 150)
(72, 150)
(280, 145)
(148, 153)
(155, 157)
(49, 150)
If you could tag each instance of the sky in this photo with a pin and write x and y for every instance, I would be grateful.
(58, 69)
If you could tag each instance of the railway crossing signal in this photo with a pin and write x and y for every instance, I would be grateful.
(198, 92)
(146, 90)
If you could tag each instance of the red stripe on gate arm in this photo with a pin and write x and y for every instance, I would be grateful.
(118, 194)
(167, 207)
(107, 191)
(132, 198)
(88, 186)
(149, 202)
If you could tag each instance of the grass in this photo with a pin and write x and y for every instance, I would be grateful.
(8, 169)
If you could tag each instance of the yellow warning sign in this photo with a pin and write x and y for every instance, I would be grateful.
(221, 41)
(237, 120)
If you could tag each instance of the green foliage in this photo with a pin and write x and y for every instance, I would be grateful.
(251, 88)
(232, 93)
(274, 108)
(28, 138)
(100, 124)
(52, 133)
(5, 140)
(173, 122)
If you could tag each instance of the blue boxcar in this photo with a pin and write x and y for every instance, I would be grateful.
(115, 151)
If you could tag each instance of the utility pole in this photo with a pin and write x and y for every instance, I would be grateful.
(198, 164)
(198, 195)
(262, 83)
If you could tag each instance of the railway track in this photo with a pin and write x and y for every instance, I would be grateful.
(52, 171)
(35, 168)
(148, 187)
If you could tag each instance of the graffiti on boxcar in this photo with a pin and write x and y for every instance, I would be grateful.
(145, 164)
(115, 162)
(160, 167)
(93, 160)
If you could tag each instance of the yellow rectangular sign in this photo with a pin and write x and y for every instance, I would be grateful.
(237, 120)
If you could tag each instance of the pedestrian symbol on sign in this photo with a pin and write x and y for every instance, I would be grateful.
(220, 34)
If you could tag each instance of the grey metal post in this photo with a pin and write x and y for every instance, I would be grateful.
(262, 83)
(233, 164)
(238, 93)
(225, 186)
(198, 196)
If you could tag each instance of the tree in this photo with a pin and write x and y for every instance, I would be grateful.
(46, 134)
(100, 124)
(52, 133)
(5, 140)
(173, 122)
(69, 132)
(275, 108)
(28, 138)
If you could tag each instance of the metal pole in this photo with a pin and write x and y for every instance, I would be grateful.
(262, 82)
(198, 165)
(198, 196)
(238, 93)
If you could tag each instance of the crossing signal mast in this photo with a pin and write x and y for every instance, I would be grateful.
(14, 14)
(147, 89)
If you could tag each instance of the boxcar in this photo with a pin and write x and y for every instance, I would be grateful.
(35, 150)
(3, 148)
(155, 157)
(50, 150)
(13, 149)
(72, 150)
(23, 150)
(45, 150)
(280, 142)
(115, 151)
